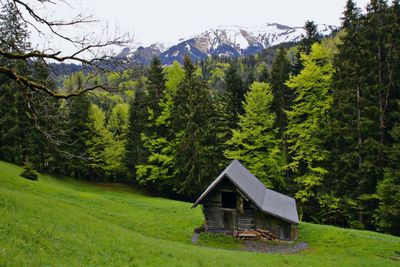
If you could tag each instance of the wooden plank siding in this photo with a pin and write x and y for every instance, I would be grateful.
(244, 217)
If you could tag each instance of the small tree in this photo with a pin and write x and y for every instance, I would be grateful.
(29, 172)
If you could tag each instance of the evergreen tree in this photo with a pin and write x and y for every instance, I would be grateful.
(363, 89)
(346, 112)
(155, 85)
(14, 32)
(264, 75)
(74, 150)
(235, 94)
(135, 151)
(310, 38)
(388, 190)
(304, 47)
(158, 171)
(19, 140)
(256, 143)
(282, 96)
(193, 110)
(388, 213)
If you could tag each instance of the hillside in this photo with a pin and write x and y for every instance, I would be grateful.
(64, 222)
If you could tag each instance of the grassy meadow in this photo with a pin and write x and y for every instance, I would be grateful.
(64, 222)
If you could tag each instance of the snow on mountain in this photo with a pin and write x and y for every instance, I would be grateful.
(230, 41)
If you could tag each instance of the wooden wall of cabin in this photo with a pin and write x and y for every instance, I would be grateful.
(219, 218)
(281, 229)
(244, 216)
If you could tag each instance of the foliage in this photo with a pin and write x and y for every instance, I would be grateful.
(307, 122)
(255, 143)
(158, 170)
(235, 91)
(192, 117)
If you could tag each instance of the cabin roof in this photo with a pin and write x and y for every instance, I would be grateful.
(267, 200)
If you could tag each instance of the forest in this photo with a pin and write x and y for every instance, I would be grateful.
(318, 120)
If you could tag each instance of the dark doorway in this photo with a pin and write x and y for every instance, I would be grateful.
(228, 200)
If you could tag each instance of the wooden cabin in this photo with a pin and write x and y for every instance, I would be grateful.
(236, 201)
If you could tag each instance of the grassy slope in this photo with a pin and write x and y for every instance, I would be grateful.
(62, 222)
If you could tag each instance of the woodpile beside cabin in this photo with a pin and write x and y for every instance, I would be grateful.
(237, 202)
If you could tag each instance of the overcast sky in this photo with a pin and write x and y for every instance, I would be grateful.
(168, 20)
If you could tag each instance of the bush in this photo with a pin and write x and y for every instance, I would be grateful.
(29, 173)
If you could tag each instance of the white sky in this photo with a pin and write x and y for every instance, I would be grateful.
(166, 21)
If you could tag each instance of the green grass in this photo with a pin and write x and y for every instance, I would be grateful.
(63, 222)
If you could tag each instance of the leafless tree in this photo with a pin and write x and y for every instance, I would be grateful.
(89, 51)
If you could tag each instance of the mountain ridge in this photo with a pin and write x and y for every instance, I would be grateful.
(222, 41)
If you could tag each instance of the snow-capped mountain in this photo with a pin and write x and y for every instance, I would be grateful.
(229, 41)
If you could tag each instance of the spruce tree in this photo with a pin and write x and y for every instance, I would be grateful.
(74, 149)
(347, 138)
(256, 143)
(311, 36)
(264, 75)
(363, 89)
(234, 88)
(157, 171)
(155, 85)
(18, 135)
(135, 152)
(192, 115)
(282, 95)
(388, 189)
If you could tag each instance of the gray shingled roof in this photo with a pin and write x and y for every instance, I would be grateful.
(265, 199)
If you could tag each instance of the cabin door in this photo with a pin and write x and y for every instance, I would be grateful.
(229, 210)
(230, 220)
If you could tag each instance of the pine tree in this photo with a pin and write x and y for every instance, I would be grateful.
(388, 189)
(74, 150)
(256, 142)
(157, 171)
(17, 132)
(388, 213)
(235, 94)
(193, 110)
(135, 151)
(361, 96)
(304, 47)
(310, 38)
(282, 96)
(264, 75)
(155, 85)
(346, 111)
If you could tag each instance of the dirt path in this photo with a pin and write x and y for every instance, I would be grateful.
(267, 246)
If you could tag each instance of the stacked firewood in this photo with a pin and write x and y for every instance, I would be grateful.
(256, 234)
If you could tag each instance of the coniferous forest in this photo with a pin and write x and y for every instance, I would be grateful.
(318, 120)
